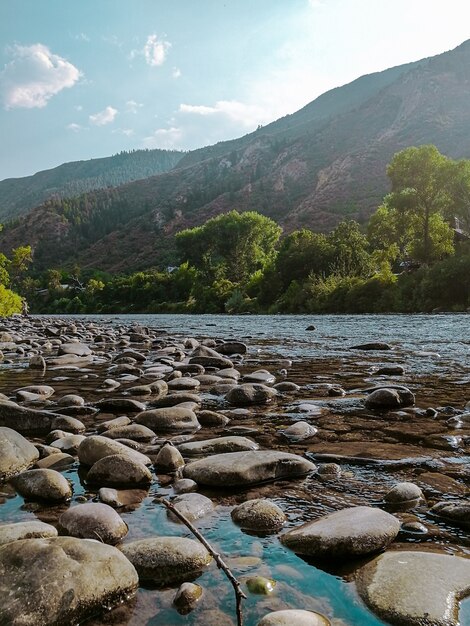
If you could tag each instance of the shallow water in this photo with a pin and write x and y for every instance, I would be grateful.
(435, 351)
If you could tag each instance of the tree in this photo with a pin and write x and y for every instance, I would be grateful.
(351, 255)
(231, 246)
(421, 185)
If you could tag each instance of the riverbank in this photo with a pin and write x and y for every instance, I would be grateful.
(319, 402)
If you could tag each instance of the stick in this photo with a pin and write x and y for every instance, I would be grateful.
(239, 595)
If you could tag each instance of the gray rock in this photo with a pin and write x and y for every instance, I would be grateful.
(192, 505)
(78, 349)
(186, 598)
(175, 398)
(217, 446)
(119, 470)
(16, 453)
(94, 520)
(43, 484)
(118, 498)
(183, 384)
(169, 458)
(212, 418)
(25, 420)
(386, 398)
(373, 345)
(286, 387)
(351, 532)
(71, 399)
(82, 577)
(258, 515)
(456, 512)
(184, 485)
(232, 347)
(67, 423)
(94, 448)
(412, 588)
(169, 419)
(246, 468)
(136, 432)
(57, 461)
(403, 492)
(25, 530)
(299, 431)
(116, 405)
(260, 376)
(167, 560)
(117, 422)
(294, 617)
(69, 444)
(251, 393)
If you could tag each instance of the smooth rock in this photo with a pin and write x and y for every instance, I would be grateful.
(96, 447)
(258, 515)
(217, 445)
(455, 512)
(16, 453)
(119, 470)
(403, 492)
(251, 393)
(136, 432)
(43, 484)
(294, 617)
(192, 505)
(169, 419)
(186, 598)
(25, 530)
(169, 458)
(118, 498)
(94, 520)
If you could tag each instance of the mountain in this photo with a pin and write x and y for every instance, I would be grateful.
(18, 195)
(312, 169)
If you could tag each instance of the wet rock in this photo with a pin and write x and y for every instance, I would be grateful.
(390, 370)
(415, 588)
(167, 560)
(175, 398)
(229, 374)
(351, 532)
(260, 585)
(58, 461)
(373, 345)
(443, 441)
(187, 597)
(260, 376)
(246, 468)
(37, 362)
(291, 617)
(251, 393)
(32, 393)
(68, 444)
(184, 485)
(116, 405)
(403, 492)
(96, 447)
(136, 432)
(286, 387)
(435, 483)
(258, 515)
(232, 347)
(183, 384)
(169, 458)
(217, 446)
(192, 505)
(24, 420)
(169, 419)
(299, 431)
(94, 521)
(118, 498)
(212, 418)
(118, 470)
(44, 484)
(78, 349)
(67, 423)
(385, 398)
(82, 577)
(329, 471)
(71, 399)
(117, 422)
(456, 512)
(25, 530)
(16, 453)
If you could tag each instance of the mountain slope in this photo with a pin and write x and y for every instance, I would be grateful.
(18, 195)
(308, 169)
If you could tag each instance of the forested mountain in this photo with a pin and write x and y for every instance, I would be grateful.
(312, 168)
(18, 195)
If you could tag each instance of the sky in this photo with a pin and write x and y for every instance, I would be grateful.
(83, 79)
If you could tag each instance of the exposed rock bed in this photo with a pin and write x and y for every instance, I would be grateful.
(333, 460)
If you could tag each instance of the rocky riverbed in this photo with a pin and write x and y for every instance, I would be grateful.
(336, 488)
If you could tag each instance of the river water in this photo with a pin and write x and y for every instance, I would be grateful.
(435, 352)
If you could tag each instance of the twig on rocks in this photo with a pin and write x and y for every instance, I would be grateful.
(239, 595)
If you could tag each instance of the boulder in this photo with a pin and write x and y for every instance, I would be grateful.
(217, 445)
(413, 588)
(25, 420)
(25, 530)
(386, 398)
(119, 470)
(351, 532)
(246, 468)
(16, 453)
(96, 447)
(43, 484)
(258, 515)
(403, 492)
(251, 393)
(169, 419)
(61, 580)
(94, 520)
(167, 560)
(169, 458)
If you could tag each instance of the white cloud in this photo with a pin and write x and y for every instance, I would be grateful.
(75, 127)
(128, 132)
(82, 37)
(132, 106)
(33, 76)
(103, 117)
(164, 138)
(155, 50)
(248, 115)
(78, 107)
(316, 4)
(176, 72)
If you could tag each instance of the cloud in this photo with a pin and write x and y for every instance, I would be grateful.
(176, 72)
(155, 50)
(316, 4)
(128, 132)
(75, 127)
(103, 117)
(78, 107)
(33, 76)
(164, 138)
(132, 106)
(248, 115)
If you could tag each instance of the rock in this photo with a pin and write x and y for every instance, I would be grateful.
(414, 588)
(175, 398)
(25, 530)
(169, 419)
(192, 505)
(186, 598)
(43, 484)
(94, 521)
(294, 617)
(34, 392)
(258, 515)
(37, 362)
(385, 398)
(117, 422)
(184, 485)
(68, 444)
(229, 373)
(403, 492)
(116, 405)
(183, 384)
(245, 468)
(212, 418)
(329, 471)
(286, 387)
(251, 393)
(390, 370)
(351, 532)
(167, 560)
(217, 445)
(71, 399)
(94, 448)
(260, 376)
(232, 347)
(311, 327)
(119, 470)
(169, 458)
(260, 585)
(57, 461)
(118, 498)
(456, 512)
(25, 420)
(16, 453)
(136, 432)
(373, 345)
(67, 423)
(300, 431)
(61, 580)
(78, 349)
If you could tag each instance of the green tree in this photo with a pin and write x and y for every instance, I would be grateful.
(351, 256)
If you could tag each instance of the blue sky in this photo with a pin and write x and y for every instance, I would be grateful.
(87, 78)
